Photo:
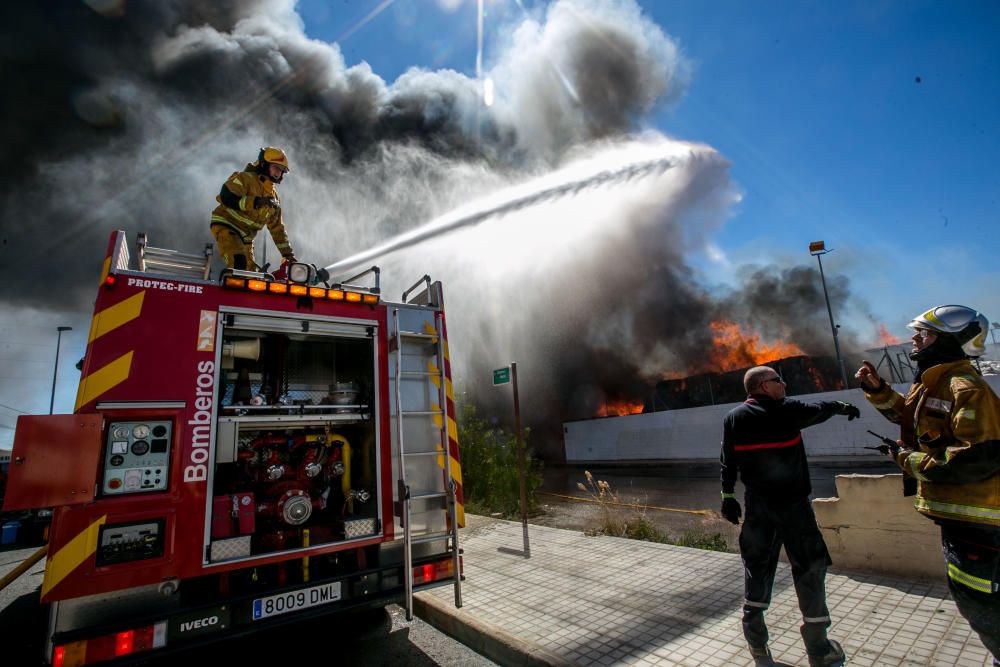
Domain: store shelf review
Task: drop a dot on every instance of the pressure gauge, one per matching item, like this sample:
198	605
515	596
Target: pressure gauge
141	431
121	432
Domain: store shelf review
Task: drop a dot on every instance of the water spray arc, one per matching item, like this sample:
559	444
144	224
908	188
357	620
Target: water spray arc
515	201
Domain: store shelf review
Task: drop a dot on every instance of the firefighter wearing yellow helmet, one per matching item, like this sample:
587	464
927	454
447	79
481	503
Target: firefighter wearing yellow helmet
248	202
950	442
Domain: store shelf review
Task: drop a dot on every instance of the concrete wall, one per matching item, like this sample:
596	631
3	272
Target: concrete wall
871	527
696	433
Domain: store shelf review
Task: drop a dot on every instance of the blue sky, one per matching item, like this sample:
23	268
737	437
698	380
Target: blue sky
870	125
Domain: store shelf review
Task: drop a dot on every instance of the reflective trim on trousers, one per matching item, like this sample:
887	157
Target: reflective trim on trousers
966	579
751	603
815	619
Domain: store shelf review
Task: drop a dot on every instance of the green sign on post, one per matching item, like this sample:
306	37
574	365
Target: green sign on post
501	376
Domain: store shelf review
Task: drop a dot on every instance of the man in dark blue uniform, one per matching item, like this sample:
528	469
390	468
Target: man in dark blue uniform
762	444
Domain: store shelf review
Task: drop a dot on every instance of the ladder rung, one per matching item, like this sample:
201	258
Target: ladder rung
417	334
172	261
425	496
174	269
150	250
439	452
433	537
420	374
419	413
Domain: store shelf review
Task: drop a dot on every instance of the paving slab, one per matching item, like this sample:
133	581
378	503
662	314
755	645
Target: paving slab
596	600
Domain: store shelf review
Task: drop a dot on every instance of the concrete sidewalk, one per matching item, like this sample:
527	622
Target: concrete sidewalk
607	601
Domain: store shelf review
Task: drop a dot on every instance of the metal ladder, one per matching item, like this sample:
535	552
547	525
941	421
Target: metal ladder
173	262
448	493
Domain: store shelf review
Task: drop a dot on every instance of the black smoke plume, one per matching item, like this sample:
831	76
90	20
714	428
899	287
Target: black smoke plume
131	114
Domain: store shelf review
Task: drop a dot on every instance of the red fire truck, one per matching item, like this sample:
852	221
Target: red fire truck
243	453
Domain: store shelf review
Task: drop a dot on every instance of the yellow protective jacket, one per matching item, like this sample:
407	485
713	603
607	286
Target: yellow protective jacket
236	208
950	426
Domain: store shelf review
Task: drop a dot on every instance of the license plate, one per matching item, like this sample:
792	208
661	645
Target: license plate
304	598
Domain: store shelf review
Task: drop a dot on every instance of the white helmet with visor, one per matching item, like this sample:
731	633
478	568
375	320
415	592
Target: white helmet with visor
968	326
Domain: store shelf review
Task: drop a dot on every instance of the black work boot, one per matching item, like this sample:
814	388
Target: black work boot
834	657
761	656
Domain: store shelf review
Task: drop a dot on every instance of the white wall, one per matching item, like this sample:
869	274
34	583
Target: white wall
696	433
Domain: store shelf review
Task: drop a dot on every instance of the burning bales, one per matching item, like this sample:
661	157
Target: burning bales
718	376
802	374
735	349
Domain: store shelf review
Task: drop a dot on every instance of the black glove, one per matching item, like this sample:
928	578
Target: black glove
731	510
265	202
851	411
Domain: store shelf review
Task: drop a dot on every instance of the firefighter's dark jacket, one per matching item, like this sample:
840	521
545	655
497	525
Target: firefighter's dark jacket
762	443
236	208
950	426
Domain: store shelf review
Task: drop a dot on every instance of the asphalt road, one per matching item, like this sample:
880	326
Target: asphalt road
381	637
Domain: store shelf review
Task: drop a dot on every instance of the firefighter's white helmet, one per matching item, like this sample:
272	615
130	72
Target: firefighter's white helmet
965	324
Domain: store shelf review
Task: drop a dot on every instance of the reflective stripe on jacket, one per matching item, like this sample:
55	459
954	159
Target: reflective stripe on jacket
950	420
246	220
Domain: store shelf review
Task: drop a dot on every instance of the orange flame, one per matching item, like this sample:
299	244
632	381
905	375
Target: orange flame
886	338
735	347
620	408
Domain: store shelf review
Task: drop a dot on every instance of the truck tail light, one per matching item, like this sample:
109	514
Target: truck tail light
108	647
425	574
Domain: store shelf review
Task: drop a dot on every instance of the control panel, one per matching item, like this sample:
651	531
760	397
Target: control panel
124	542
137	457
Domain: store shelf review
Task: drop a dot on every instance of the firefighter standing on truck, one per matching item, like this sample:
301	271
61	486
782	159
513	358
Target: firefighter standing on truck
762	443
247	202
950	442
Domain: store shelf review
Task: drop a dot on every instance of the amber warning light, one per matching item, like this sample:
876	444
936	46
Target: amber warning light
296	288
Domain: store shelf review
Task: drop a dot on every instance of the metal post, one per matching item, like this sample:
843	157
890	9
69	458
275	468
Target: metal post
55	371
520	460
829	311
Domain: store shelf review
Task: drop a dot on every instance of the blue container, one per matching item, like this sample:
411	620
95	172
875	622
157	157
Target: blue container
9	535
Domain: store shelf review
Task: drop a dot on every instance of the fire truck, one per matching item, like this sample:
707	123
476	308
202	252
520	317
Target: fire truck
243	452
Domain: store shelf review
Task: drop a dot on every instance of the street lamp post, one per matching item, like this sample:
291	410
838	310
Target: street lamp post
818	248
52	400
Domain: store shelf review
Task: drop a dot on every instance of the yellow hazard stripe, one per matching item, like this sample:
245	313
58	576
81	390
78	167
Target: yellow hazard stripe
973	582
71	556
115	316
449	389
429	328
104	379
456	467
105	269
